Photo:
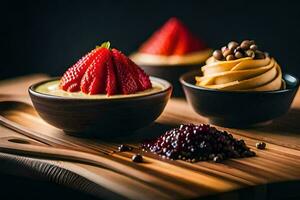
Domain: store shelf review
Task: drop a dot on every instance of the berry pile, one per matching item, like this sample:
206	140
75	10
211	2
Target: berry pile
173	38
234	50
194	143
105	71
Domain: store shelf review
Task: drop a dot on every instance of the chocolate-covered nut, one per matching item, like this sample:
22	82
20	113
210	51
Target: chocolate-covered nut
217	54
261	145
245	44
232	45
224	48
253	47
217	159
250	53
123	147
230	57
227	52
238	55
238	48
211	156
259	55
137	158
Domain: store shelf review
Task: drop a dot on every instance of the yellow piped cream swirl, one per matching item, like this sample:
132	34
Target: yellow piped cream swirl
242	74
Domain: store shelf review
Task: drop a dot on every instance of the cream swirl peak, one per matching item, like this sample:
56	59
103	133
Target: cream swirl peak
246	73
241	66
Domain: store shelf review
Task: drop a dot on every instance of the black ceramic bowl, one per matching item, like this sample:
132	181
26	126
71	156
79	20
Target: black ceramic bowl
101	117
171	67
235	108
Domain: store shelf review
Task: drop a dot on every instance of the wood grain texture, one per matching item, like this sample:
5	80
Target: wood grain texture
160	178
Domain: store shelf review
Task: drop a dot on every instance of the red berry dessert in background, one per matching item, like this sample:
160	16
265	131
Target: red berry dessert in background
173	38
172	44
171	51
105	71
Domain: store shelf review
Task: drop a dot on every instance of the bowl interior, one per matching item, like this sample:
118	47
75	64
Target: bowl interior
162	84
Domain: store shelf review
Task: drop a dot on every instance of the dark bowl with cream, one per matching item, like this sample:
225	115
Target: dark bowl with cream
171	67
239	108
99	115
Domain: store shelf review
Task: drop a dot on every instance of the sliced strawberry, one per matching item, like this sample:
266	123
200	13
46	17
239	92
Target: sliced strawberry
144	79
141	79
94	79
132	70
70	81
127	83
183	42
141	76
111	83
173	38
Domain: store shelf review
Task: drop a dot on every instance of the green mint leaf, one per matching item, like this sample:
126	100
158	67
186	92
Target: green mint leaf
105	45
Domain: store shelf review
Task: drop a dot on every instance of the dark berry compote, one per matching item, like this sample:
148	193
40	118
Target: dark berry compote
194	143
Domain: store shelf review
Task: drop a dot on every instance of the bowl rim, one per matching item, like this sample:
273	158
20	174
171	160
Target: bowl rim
32	91
207	50
183	81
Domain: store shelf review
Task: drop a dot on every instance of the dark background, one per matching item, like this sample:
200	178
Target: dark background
49	36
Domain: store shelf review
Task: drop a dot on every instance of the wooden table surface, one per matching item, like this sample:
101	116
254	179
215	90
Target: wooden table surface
165	179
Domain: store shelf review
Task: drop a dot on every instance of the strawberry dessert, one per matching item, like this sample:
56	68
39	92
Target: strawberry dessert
102	73
172	44
103	94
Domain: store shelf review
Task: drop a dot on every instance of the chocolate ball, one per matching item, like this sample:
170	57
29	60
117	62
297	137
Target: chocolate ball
238	48
250	53
227	52
217	54
230	57
253	47
123	147
238	54
137	158
259	55
217	159
232	45
224	48
245	44
260	145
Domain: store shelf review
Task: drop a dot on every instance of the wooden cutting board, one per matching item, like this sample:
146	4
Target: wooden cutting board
160	178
